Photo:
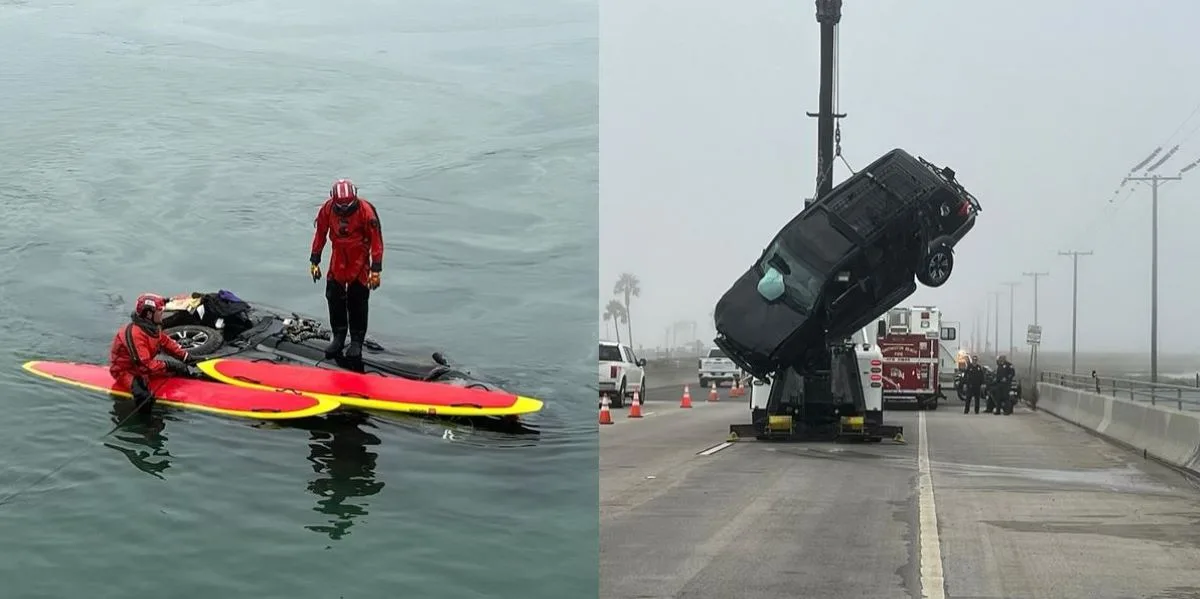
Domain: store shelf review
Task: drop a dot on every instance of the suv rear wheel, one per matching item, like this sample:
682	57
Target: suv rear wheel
936	266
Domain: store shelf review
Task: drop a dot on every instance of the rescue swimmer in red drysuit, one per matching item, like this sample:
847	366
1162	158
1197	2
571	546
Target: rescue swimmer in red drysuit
351	224
133	355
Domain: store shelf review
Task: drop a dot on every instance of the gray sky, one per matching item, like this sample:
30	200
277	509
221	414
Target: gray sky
1040	107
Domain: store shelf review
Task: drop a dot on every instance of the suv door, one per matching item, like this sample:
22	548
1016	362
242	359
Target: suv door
635	369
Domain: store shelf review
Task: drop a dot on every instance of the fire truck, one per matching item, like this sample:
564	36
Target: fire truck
920	354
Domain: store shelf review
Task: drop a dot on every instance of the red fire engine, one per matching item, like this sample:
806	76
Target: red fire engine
910	340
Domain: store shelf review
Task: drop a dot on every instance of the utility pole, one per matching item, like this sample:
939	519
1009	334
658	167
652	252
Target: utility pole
829	14
1155	181
1033	349
987	327
996	295
1074	298
1012	294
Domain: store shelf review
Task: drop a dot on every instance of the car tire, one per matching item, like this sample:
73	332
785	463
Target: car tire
936	266
703	383
932	405
642	390
619	401
196	340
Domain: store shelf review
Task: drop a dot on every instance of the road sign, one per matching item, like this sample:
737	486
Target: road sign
1033	335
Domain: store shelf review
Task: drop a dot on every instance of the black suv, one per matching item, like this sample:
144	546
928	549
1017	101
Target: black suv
843	261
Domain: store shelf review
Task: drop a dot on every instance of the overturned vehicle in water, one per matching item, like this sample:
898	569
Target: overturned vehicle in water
220	324
839	265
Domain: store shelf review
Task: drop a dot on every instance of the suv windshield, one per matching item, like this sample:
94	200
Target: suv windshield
716	353
800	281
610	353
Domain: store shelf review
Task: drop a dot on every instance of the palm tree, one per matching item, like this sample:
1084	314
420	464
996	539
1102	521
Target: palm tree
630	287
615	312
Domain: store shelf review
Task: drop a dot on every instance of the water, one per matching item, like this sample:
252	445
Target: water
186	146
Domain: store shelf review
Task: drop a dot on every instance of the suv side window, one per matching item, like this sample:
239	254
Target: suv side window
802	283
627	354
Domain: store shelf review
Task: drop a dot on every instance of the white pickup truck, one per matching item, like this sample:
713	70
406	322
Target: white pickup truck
621	373
717	368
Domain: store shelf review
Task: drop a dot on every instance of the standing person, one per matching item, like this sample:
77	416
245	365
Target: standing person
1002	390
973	380
351	225
133	354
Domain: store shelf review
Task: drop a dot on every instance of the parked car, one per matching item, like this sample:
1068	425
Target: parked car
621	373
845	260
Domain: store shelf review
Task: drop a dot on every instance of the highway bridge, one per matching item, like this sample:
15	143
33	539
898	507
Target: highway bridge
1089	496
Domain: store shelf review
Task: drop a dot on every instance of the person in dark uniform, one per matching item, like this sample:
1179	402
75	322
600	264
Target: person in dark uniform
1002	387
973	379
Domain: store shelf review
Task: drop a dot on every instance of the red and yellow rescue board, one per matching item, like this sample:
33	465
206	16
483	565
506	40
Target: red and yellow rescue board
192	394
368	391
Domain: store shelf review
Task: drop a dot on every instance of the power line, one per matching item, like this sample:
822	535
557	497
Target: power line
1074	297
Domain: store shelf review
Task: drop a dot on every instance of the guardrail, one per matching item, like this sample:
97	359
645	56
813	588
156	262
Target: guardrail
1180	397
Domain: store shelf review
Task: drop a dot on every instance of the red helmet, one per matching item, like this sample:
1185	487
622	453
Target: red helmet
149	301
343	191
345	197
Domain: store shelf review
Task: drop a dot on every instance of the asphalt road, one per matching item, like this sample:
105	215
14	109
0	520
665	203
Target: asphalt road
1017	506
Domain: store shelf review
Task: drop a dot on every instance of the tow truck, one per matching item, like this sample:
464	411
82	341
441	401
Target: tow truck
843	402
917	351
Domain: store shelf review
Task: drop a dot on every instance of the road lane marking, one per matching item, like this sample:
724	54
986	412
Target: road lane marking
933	582
715	449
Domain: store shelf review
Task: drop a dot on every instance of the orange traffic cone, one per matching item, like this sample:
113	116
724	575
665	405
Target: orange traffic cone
736	389
686	401
605	415
635	407
712	393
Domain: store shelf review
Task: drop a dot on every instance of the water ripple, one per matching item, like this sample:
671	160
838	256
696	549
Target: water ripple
186	147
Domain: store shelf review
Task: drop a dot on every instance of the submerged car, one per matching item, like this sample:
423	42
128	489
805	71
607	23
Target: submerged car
216	325
843	261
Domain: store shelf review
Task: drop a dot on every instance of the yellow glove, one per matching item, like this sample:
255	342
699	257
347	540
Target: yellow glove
373	281
315	271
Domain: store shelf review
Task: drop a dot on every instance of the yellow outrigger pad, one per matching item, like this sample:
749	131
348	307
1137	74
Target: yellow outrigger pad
191	394
370	392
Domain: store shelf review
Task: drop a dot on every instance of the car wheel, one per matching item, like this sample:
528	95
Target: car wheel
619	400
195	339
936	266
703	383
932	404
642	390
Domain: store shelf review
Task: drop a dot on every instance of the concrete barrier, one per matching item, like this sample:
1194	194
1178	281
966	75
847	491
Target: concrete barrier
1157	431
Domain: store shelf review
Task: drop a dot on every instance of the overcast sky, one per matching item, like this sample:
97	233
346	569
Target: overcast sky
1040	107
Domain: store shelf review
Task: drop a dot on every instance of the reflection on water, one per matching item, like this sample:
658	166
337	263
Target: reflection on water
345	468
143	429
339	451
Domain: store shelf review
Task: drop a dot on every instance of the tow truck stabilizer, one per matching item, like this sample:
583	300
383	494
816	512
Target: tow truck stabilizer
783	427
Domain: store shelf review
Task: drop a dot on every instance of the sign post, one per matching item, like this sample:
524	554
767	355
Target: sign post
1033	337
1033	334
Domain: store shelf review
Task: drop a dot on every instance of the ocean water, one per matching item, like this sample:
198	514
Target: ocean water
185	146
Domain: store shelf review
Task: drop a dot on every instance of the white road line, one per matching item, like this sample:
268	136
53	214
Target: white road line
933	583
715	449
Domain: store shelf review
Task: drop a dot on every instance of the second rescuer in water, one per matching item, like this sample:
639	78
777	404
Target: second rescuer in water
133	354
355	263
